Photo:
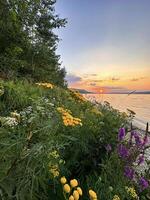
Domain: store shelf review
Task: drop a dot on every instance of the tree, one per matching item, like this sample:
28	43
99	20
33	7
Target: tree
27	40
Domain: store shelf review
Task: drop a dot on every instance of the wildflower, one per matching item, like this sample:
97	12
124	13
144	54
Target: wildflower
15	115
129	172
145	140
1	90
73	183
71	198
75	194
121	134
45	85
63	180
123	151
68	119
79	191
61	161
138	140
9	121
54	154
96	111
78	96
143	183
54	170
131	191
110	188
124	114
116	197
66	188
92	194
141	159
108	147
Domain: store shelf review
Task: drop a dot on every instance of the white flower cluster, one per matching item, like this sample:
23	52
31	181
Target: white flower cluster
1	90
9	121
25	114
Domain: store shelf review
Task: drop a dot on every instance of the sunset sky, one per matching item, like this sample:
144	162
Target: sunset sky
106	44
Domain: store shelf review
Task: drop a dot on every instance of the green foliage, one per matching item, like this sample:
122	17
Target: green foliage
28	42
36	129
36	146
18	96
25	146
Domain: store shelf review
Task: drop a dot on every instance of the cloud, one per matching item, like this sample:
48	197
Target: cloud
109	89
115	79
113	87
137	79
97	81
72	78
89	75
134	79
92	84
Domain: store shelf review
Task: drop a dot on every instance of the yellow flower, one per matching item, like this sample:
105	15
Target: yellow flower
67	118
77	96
116	197
45	85
54	154
75	194
96	111
63	180
73	183
92	194
71	198
131	191
54	170
67	188
15	115
79	191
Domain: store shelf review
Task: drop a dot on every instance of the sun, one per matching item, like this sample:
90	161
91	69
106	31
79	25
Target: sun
101	90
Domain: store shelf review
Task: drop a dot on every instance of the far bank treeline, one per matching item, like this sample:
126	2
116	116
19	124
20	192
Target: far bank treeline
27	41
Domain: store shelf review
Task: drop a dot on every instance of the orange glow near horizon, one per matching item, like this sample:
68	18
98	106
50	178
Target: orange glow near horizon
104	85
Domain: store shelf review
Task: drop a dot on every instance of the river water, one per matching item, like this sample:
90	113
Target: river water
139	103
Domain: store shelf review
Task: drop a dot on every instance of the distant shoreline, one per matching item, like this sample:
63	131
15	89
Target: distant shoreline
114	93
83	91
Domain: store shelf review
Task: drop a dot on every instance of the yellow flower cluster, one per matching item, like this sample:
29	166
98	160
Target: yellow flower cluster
15	115
54	154
54	170
68	119
124	114
96	111
78	96
46	85
131	191
72	190
116	197
93	195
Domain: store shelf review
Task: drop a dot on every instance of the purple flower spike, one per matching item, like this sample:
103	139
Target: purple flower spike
123	151
143	183
138	139
145	140
121	134
129	172
108	147
141	159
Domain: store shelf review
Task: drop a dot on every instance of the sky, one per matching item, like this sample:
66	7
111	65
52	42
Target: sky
105	45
